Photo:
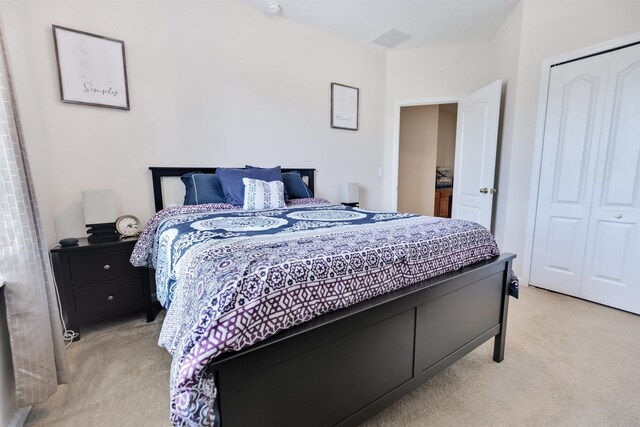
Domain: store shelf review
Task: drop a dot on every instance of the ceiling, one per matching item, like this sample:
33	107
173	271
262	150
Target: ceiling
429	22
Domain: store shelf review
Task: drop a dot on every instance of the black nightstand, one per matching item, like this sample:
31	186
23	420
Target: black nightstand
96	281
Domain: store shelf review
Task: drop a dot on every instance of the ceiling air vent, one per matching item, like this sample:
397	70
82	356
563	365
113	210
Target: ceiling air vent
391	38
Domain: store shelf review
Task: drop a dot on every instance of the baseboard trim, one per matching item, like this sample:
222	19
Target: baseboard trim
20	417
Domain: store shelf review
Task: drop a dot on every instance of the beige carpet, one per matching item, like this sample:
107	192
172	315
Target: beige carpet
568	363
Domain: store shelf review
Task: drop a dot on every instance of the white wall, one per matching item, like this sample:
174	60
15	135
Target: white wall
434	72
211	84
549	29
15	23
418	152
504	59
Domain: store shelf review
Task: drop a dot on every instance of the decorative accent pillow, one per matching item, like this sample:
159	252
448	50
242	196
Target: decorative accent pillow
233	187
202	188
295	187
268	174
260	194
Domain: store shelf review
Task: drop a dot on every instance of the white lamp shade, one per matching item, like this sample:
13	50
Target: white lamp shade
350	193
99	206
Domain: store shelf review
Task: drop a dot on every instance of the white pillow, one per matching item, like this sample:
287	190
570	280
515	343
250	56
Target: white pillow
262	194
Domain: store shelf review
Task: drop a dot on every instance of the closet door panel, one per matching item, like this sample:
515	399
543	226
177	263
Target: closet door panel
572	125
612	274
622	177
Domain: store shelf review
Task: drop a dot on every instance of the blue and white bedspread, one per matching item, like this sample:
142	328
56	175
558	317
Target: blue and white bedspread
231	278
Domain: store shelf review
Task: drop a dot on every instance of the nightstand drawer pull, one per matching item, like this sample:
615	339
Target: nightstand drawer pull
106	267
110	298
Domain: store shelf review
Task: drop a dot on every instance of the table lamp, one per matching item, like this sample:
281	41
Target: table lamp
100	213
350	194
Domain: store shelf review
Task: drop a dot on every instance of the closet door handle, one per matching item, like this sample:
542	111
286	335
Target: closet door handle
484	190
618	216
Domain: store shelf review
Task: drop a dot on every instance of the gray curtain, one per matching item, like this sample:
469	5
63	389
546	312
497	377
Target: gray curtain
35	330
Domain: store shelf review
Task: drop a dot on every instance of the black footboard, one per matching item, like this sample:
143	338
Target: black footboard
343	367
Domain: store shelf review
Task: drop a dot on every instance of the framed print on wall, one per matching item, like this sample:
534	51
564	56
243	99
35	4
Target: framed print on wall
344	107
91	69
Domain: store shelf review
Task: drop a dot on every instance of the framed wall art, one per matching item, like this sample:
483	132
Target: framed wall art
344	107
91	69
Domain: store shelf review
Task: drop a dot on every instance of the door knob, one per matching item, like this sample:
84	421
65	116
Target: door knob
618	216
484	190
493	191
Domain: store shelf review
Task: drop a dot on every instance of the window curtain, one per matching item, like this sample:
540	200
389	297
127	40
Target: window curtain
35	328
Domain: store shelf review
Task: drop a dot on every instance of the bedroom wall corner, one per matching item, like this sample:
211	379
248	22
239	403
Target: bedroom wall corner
210	85
504	59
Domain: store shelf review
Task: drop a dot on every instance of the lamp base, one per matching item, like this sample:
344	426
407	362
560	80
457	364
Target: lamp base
102	233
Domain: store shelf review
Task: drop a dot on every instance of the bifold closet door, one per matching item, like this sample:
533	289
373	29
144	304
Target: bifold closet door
572	126
587	237
612	263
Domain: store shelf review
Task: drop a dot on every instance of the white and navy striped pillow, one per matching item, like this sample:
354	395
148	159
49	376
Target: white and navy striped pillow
262	194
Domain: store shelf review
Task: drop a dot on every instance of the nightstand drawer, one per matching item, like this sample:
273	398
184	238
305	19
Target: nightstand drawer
92	300
101	266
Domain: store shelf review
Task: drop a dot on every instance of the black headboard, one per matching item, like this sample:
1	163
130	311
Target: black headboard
158	172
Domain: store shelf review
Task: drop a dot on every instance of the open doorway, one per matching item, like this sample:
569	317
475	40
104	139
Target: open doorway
426	156
476	140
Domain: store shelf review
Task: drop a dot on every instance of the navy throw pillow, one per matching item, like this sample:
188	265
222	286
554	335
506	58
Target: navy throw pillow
232	185
295	186
202	188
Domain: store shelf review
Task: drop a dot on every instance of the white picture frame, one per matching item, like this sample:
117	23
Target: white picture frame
344	106
91	69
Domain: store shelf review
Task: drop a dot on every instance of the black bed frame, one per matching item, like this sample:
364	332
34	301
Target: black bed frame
157	173
343	367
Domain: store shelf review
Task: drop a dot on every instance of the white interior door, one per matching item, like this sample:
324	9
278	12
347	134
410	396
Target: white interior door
572	125
475	159
612	264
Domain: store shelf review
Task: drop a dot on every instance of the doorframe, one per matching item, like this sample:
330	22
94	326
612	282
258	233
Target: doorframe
397	106
543	96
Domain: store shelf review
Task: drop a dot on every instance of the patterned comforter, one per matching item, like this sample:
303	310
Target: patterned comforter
232	278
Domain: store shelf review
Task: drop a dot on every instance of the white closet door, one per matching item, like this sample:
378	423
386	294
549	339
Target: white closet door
612	267
574	115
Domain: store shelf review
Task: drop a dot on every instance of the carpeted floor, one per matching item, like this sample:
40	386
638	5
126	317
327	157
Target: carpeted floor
568	363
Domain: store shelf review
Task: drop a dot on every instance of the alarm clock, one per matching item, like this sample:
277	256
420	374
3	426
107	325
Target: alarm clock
128	226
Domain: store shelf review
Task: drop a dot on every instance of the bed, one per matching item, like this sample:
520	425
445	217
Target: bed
340	344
